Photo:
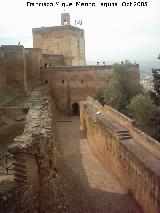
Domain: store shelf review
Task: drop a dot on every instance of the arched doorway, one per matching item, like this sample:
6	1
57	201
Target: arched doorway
75	109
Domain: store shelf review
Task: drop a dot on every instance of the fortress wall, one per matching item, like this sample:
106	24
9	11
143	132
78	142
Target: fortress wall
1	117
112	113
2	70
136	167
52	60
13	62
19	69
32	187
32	68
146	140
119	117
72	84
78	48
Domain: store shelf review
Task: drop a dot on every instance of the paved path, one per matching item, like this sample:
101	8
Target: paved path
103	191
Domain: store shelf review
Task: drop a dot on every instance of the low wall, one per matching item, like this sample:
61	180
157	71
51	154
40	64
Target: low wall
146	140
112	113
33	162
12	112
137	167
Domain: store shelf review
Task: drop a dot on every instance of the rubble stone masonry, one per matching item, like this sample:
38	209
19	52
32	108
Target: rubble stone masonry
32	186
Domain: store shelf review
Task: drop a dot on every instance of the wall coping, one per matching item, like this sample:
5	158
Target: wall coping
127	122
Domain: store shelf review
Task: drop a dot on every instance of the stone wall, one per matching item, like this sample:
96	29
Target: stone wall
52	60
13	65
32	68
72	84
61	40
2	69
19	68
136	165
32	187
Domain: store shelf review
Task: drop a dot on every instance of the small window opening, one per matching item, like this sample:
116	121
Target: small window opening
62	81
81	81
46	82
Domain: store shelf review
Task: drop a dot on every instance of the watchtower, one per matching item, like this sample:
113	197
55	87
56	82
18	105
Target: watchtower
65	40
65	19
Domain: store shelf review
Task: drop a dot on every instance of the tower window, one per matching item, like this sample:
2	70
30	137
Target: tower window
62	81
81	81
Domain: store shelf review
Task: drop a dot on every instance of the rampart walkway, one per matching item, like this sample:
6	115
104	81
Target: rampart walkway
101	188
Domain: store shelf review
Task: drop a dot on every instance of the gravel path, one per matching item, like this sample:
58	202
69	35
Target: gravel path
97	190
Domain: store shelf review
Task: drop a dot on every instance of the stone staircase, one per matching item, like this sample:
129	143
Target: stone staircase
123	135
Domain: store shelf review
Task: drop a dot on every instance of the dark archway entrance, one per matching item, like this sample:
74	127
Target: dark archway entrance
75	109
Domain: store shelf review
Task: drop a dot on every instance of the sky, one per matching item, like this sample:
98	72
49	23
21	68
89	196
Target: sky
111	33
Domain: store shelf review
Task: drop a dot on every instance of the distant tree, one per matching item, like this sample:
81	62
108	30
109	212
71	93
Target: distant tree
122	89
146	115
100	96
155	95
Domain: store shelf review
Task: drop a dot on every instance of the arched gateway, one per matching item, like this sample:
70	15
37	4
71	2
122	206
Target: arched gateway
75	109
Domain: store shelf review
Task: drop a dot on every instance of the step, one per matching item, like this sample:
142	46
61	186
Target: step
24	176
122	131
123	134
20	180
23	170
125	138
19	164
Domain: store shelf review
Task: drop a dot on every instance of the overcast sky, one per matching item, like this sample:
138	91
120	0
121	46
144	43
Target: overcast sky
111	33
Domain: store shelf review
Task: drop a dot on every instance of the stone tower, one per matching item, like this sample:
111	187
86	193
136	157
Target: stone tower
65	19
65	40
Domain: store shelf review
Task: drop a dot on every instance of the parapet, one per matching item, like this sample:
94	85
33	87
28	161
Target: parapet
55	28
128	152
84	68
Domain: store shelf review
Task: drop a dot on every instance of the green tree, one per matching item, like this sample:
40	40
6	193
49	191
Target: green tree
146	115
155	95
123	88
